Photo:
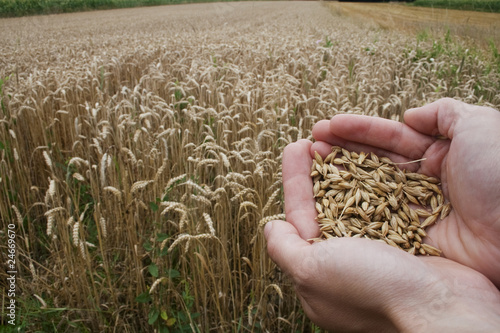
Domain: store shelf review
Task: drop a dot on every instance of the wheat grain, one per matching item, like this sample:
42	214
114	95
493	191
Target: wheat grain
47	158
102	223
155	284
201	199
33	271
78	177
378	193
104	161
51	192
276	288
18	215
78	160
53	211
113	190
140	185
187	238
202	190
76	233
50	224
83	251
208	221
174	180
267	219
245	204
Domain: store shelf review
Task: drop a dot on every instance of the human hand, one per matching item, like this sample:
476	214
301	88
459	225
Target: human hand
467	162
359	284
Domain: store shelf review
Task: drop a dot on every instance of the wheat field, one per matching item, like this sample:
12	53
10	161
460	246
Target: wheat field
140	151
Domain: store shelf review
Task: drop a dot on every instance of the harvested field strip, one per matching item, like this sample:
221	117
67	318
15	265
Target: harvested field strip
140	151
479	25
490	6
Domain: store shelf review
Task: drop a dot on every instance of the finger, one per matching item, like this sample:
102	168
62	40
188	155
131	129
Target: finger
298	187
324	149
321	132
385	134
437	118
284	244
325	139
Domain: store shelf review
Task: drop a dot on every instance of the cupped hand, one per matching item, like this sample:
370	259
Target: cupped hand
348	284
460	144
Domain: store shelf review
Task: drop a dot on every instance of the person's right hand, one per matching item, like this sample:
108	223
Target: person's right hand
461	145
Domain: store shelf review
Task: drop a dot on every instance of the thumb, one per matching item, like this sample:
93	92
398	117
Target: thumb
284	244
438	118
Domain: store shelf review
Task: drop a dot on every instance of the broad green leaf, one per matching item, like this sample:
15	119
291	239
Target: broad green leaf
171	322
173	273
143	298
147	246
153	270
160	237
154	207
153	316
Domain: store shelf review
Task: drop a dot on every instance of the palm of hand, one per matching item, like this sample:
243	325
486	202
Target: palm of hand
366	276
465	162
470	234
358	284
344	277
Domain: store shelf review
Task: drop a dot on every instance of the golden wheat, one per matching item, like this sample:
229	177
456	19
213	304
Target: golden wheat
141	149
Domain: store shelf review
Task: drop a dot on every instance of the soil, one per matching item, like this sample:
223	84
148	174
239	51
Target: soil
477	25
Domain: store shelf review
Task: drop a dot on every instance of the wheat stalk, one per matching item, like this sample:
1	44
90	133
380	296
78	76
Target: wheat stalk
208	124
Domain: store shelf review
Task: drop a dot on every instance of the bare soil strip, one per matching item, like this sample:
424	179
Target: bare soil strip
472	24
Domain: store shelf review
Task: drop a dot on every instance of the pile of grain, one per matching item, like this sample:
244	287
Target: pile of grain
366	196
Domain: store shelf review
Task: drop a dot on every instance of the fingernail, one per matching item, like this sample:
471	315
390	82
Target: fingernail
267	228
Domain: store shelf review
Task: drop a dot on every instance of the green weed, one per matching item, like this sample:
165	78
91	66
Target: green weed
492	6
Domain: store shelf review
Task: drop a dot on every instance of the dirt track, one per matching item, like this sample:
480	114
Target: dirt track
476	25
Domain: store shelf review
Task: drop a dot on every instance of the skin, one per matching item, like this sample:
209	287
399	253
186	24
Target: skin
350	284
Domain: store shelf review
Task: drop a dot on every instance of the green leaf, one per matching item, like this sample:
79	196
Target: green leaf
173	273
185	327
153	316
164	315
143	298
154	207
153	270
164	252
178	95
171	322
182	317
147	246
160	237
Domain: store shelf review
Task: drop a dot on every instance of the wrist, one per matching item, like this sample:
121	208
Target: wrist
463	318
446	309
